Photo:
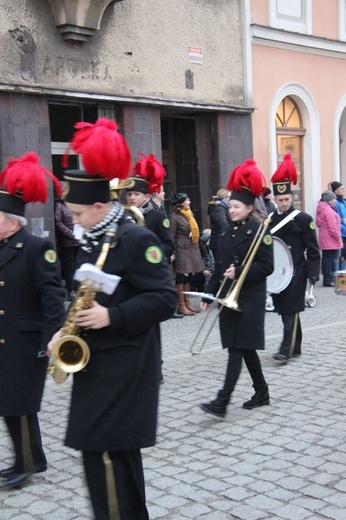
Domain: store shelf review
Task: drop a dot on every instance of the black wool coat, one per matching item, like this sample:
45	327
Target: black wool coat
245	329
300	236
115	398
32	310
157	220
219	218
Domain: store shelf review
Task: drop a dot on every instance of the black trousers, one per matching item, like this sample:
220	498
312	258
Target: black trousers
67	257
25	433
234	366
292	340
116	484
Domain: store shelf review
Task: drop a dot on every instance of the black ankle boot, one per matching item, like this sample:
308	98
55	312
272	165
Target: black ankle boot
218	406
260	398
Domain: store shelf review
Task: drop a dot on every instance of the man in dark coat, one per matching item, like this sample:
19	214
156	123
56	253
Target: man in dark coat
297	230
114	404
32	309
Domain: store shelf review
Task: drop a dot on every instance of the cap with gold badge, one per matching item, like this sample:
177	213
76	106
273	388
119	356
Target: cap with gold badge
285	175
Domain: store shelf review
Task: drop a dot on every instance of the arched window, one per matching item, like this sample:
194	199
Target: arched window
289	136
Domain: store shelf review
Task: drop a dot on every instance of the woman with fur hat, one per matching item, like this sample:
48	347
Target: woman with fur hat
187	257
329	238
242	333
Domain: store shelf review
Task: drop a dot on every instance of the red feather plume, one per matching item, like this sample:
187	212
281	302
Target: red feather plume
103	149
150	169
246	175
26	178
286	171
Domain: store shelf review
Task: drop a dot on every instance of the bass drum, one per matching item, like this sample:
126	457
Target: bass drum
283	267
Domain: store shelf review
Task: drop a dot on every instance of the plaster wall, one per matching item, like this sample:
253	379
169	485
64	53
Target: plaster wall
324	16
323	78
311	70
141	50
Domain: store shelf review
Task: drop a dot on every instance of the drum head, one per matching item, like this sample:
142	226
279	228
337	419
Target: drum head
283	267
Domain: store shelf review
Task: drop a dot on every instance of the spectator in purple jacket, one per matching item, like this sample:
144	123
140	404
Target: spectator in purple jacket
67	244
330	241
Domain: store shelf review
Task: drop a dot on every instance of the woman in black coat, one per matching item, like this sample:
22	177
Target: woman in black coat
242	333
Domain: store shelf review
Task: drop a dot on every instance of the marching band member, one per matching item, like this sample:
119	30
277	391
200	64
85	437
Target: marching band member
32	309
242	333
113	411
297	230
148	179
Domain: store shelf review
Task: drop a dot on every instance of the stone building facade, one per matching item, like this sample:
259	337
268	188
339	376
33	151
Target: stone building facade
170	73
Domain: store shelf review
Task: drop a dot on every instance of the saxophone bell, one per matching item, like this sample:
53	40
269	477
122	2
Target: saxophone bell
71	353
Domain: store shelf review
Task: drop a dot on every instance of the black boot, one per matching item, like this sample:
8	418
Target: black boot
218	406
260	398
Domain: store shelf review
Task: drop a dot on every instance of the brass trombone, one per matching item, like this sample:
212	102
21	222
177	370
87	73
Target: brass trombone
231	299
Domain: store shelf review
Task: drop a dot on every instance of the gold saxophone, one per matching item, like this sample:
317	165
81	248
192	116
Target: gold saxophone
71	353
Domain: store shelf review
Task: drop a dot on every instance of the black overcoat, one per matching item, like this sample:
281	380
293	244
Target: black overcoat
300	236
219	217
32	310
157	220
115	398
245	329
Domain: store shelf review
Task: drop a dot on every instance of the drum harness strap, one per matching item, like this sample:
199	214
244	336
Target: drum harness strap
284	221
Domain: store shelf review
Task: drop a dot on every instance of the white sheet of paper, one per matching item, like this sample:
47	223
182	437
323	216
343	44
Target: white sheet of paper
91	274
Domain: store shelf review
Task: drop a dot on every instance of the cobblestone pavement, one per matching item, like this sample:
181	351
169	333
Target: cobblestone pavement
284	461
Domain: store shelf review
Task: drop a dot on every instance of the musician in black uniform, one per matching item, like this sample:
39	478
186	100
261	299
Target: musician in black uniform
297	230
242	332
148	178
114	404
32	309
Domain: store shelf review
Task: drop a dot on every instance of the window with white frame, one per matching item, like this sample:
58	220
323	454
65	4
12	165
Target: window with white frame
342	20
291	15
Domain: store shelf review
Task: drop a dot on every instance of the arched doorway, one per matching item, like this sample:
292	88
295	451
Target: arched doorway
341	173
289	139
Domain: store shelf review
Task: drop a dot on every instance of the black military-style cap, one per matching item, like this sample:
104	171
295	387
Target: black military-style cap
11	203
85	189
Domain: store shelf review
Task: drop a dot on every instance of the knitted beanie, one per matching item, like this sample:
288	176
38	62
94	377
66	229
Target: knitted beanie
328	196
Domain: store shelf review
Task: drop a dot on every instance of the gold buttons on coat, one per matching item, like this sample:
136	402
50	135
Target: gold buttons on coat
2	340
2	312
2	283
